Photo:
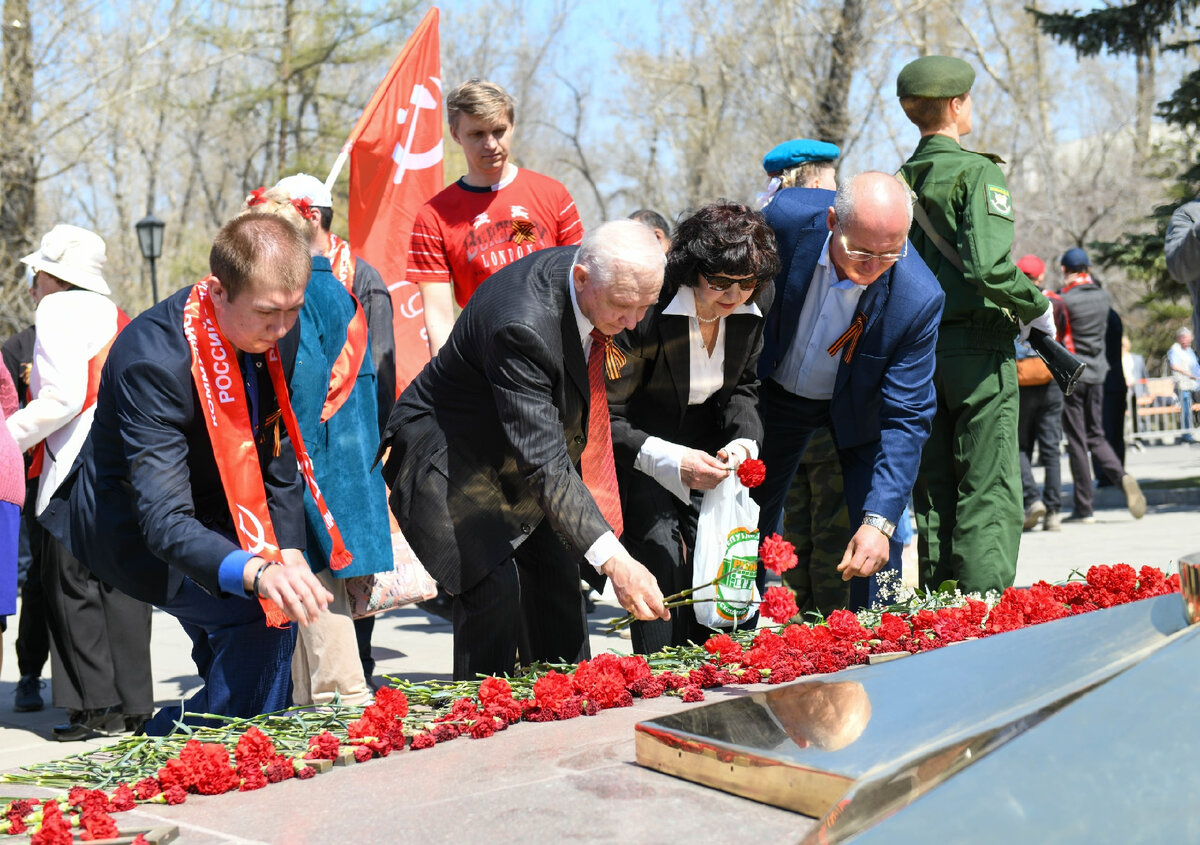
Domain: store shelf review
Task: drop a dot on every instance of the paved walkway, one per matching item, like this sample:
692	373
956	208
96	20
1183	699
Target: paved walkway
412	644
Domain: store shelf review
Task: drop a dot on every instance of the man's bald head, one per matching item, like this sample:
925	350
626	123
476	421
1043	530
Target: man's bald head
869	222
618	274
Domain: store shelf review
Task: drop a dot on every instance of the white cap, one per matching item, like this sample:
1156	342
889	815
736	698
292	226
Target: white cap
73	255
304	186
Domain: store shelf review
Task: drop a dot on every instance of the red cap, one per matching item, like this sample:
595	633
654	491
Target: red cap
1031	265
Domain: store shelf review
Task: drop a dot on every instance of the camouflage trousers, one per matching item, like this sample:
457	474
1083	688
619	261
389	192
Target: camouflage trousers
816	523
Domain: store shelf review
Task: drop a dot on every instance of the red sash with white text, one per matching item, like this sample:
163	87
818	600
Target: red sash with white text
217	377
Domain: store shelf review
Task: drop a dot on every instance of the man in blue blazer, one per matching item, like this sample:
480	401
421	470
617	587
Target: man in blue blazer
849	343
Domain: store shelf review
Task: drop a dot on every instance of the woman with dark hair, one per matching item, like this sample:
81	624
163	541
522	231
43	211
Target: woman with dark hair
685	408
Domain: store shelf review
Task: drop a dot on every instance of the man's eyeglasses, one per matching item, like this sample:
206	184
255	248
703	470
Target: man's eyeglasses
863	255
720	284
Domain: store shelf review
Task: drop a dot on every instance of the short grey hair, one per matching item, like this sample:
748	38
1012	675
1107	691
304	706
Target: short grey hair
620	245
844	202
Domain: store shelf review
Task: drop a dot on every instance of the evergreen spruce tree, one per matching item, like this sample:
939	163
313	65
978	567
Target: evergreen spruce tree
1140	29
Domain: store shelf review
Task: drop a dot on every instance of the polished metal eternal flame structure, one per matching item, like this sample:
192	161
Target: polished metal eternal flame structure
1070	730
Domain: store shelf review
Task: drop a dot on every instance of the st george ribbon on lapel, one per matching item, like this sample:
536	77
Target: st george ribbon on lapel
599	469
849	338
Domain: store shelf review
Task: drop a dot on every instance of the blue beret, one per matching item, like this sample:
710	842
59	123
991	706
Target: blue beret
1075	257
791	153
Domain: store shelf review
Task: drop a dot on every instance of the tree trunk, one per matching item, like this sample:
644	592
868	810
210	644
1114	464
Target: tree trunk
18	171
832	121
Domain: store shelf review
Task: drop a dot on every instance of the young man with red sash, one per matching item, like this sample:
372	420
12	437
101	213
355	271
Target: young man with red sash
187	494
101	660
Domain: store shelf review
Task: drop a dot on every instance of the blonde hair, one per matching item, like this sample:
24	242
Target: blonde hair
275	201
805	175
480	99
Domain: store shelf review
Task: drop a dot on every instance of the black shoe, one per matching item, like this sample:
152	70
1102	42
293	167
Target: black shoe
135	723
29	694
107	721
441	605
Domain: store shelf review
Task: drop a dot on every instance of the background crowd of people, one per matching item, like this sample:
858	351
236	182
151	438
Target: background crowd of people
866	337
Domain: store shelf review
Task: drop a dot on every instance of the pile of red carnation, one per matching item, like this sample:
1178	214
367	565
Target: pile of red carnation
609	680
51	821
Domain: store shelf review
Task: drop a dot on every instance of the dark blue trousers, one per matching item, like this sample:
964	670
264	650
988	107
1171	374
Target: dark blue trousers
788	424
246	666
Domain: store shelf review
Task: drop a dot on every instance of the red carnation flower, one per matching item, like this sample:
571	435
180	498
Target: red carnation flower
362	754
55	829
892	628
844	625
254	747
750	676
777	554
483	728
751	472
778	605
280	768
146	788
392	702
634	668
16	825
305	772
553	690
423	740
174	795
691	694
494	691
323	746
122	799
252	779
725	647
600	680
140	839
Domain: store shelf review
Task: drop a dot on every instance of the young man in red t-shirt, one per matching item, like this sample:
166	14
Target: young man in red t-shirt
490	217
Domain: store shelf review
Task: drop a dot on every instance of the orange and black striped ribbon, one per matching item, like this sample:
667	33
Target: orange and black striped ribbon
849	338
614	358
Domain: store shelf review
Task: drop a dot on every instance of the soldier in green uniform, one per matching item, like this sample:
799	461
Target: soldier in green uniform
815	521
968	493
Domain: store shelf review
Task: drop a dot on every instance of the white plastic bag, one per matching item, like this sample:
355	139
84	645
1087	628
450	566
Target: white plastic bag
726	544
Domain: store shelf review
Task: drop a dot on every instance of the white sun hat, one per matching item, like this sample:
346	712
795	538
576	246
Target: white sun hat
73	255
304	186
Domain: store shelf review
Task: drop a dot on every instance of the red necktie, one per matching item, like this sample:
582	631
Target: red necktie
599	470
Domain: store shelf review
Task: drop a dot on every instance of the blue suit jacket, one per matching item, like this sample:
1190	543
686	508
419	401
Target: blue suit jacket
883	400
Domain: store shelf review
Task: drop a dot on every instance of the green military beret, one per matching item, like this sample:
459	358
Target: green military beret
935	76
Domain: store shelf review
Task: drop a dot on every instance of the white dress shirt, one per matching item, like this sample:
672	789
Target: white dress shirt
807	368
661	459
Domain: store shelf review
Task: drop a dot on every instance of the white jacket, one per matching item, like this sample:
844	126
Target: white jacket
71	328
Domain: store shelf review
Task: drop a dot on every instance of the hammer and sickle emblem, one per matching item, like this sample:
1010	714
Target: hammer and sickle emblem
405	157
257	537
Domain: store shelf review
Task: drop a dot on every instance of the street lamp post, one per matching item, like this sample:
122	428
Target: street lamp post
150	238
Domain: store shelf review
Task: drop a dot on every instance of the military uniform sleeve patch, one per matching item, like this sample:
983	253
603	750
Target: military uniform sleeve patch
999	202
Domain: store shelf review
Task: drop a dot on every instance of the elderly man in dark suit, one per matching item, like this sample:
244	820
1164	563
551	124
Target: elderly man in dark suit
150	504
849	343
501	461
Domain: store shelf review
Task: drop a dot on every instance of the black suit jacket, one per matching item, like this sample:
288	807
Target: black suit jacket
651	396
487	439
143	505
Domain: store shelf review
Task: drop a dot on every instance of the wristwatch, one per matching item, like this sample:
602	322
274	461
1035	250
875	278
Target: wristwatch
876	521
